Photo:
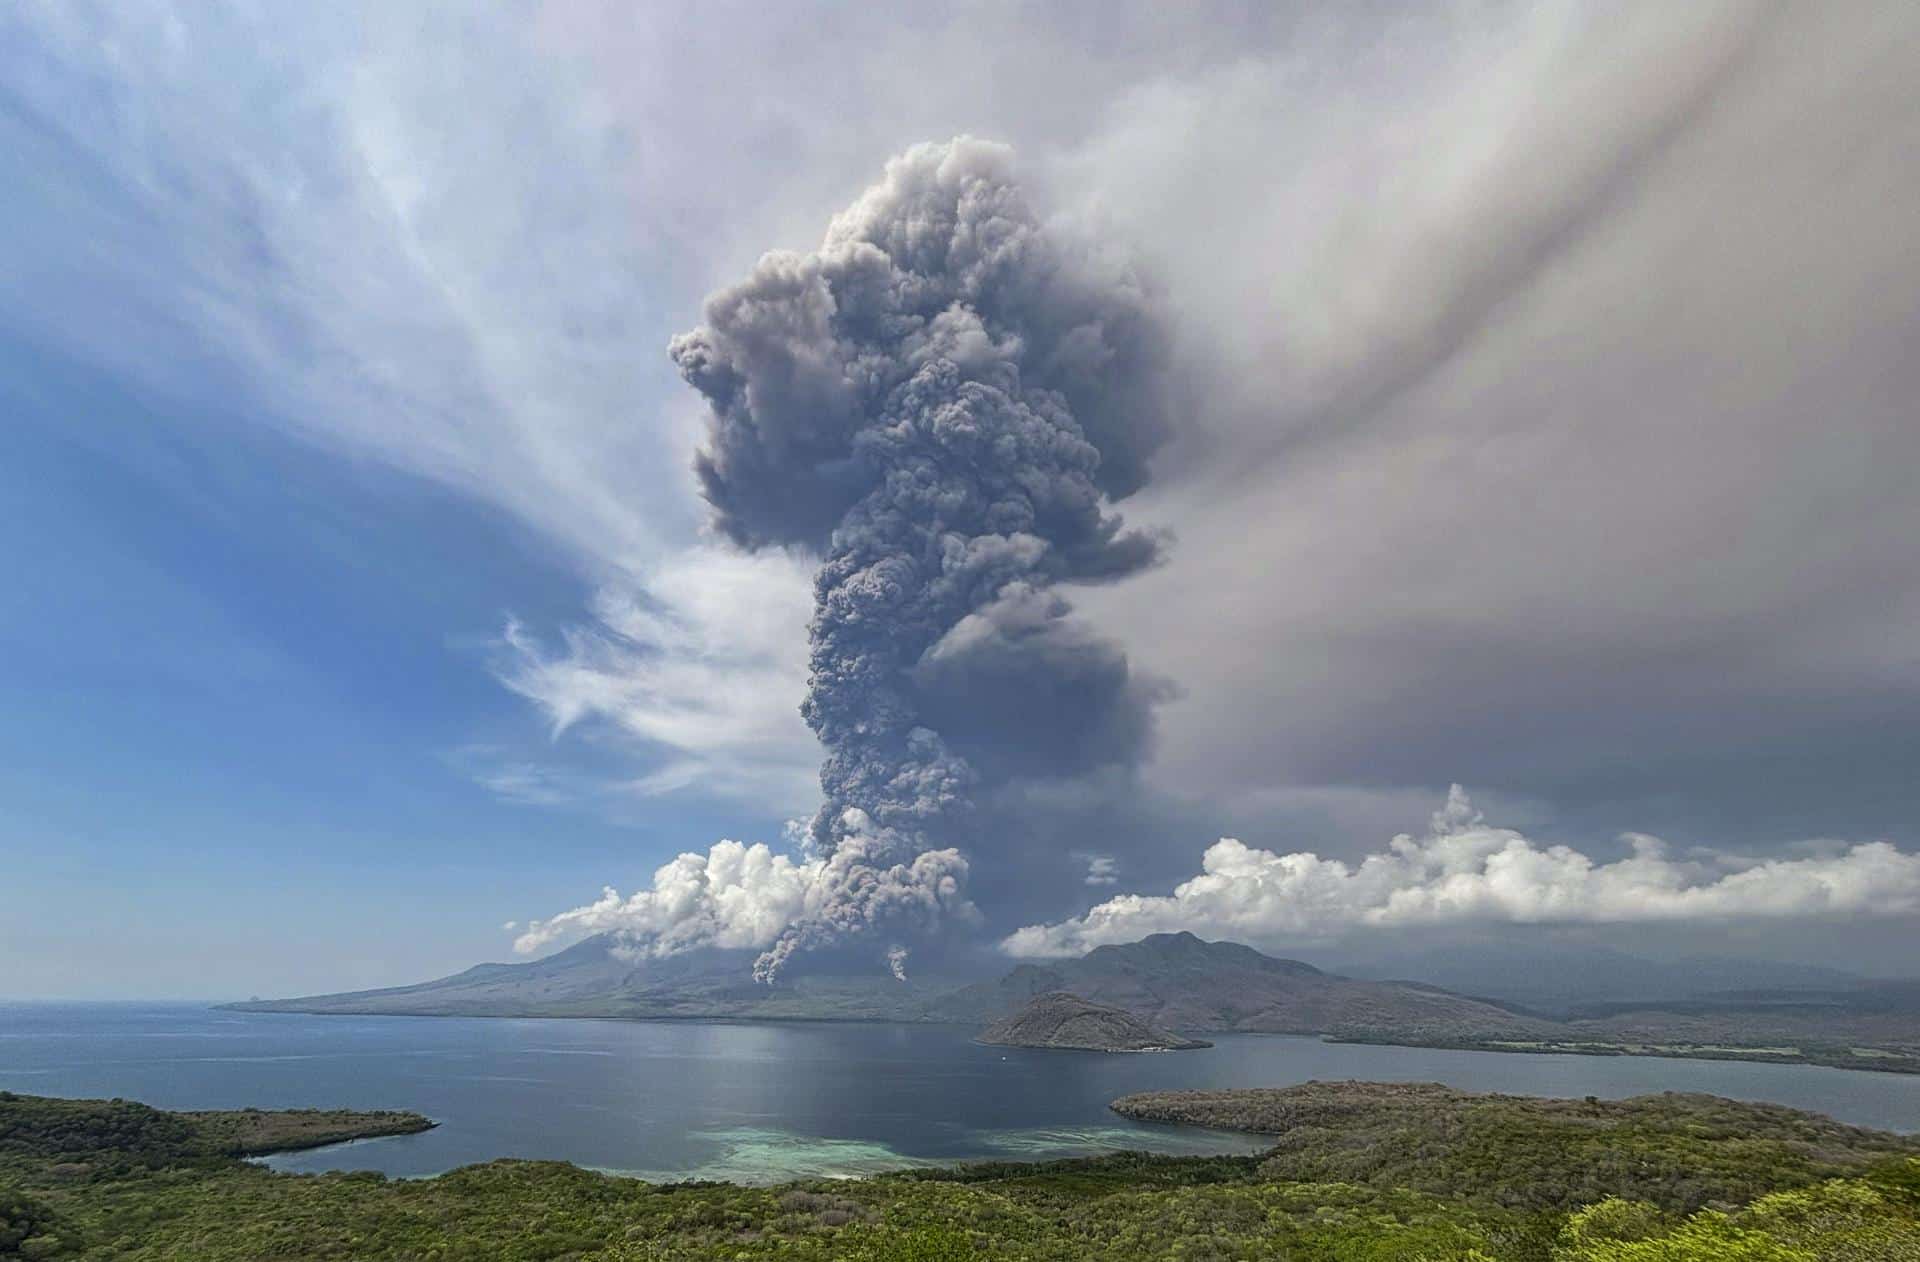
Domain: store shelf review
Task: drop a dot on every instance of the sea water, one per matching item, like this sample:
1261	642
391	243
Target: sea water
763	1102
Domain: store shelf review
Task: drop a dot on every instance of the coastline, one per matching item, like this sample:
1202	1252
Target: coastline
1885	1062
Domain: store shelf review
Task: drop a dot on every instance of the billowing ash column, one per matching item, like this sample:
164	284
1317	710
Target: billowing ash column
941	401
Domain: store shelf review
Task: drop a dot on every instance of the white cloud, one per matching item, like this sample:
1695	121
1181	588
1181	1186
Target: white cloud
1102	869
416	239
735	895
519	781
704	662
741	896
407	238
1467	871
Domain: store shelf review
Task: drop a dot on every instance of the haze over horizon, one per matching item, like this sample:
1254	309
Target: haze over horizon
1511	410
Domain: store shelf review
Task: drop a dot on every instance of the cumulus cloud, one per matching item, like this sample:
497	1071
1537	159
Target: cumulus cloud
1465	871
734	895
743	896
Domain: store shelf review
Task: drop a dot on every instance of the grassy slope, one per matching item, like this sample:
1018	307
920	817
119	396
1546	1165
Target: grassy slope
178	1202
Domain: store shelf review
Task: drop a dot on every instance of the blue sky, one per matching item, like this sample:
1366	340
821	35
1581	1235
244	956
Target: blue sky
1545	427
255	731
249	706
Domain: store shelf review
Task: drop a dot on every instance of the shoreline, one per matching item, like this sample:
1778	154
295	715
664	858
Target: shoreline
1891	1063
1887	1062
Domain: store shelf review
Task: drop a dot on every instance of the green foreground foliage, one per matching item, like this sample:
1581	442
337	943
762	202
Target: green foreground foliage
109	1179
1680	1151
121	1136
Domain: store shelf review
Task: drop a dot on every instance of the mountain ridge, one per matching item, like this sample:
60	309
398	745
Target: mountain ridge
1181	982
1175	980
1562	978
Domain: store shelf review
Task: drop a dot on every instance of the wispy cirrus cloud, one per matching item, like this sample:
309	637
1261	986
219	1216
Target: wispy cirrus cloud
382	279
701	665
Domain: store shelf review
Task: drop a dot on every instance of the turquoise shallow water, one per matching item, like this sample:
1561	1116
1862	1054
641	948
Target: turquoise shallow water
766	1102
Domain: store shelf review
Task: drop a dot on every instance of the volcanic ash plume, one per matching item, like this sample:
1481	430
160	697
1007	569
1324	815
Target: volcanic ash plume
940	401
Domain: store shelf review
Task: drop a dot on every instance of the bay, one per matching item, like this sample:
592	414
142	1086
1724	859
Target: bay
764	1102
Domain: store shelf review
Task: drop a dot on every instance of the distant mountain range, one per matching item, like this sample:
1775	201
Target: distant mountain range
1175	981
1565	978
1172	980
596	977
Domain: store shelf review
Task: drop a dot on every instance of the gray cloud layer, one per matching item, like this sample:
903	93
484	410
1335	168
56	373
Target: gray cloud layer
1546	398
1562	417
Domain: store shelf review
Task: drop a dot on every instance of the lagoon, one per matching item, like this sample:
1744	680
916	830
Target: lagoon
764	1102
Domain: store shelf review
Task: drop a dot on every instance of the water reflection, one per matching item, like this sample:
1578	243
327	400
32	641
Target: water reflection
767	1102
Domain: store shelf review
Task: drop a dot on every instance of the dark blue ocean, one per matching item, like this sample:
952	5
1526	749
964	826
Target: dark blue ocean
764	1102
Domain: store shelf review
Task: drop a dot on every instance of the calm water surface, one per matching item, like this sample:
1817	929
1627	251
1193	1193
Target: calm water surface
764	1102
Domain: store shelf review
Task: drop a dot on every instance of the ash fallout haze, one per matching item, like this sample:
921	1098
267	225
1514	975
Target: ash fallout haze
924	490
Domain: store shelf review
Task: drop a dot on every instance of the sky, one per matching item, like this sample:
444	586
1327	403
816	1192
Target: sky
1532	393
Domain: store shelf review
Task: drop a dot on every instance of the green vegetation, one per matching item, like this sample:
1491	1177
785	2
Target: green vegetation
1856	1220
1680	1152
1891	1060
97	1138
111	1179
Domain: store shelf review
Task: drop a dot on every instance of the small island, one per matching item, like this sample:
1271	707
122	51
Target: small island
1068	1022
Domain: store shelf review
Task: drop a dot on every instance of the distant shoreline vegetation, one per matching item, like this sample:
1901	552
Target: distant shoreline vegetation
1873	1060
1869	1059
1183	987
1357	1171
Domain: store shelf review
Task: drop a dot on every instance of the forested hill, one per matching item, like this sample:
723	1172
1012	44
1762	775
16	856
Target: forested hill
1679	1150
1363	1173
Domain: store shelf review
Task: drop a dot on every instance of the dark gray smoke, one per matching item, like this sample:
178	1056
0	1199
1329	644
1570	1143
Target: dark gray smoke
942	401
